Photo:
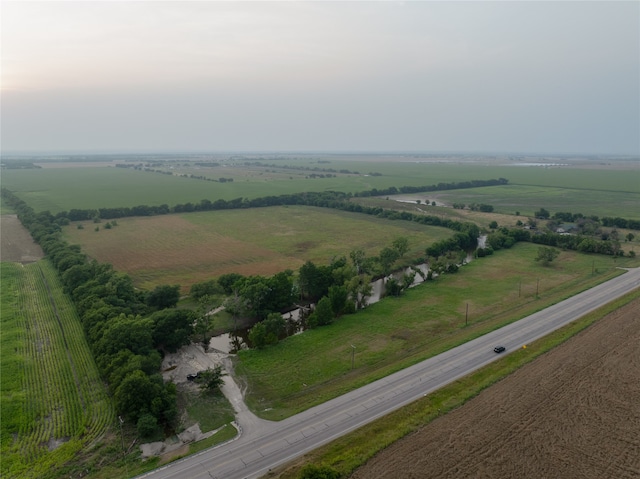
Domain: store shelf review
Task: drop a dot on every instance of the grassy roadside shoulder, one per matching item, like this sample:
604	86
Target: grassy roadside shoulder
353	450
398	332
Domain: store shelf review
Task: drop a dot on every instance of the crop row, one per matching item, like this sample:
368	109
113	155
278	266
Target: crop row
64	400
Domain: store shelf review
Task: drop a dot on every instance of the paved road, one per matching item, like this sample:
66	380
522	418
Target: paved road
264	444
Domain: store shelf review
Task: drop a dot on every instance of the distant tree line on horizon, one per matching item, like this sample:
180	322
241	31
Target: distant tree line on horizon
326	199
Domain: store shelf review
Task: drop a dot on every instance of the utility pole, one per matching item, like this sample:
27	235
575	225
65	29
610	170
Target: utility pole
353	355
121	433
537	286
466	316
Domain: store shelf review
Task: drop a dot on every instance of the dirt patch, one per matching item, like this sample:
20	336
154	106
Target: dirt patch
573	412
16	244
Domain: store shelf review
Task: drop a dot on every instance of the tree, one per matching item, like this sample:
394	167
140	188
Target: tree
338	296
259	337
323	314
493	225
546	255
314	281
205	288
358	259
281	291
401	245
275	324
211	379
172	328
630	236
228	281
125	332
147	425
542	213
203	319
393	287
164	296
408	279
359	288
255	290
387	257
133	395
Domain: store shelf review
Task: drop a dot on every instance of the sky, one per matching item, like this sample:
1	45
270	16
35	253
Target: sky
416	76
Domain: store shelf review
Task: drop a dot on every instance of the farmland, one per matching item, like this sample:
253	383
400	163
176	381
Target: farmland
191	247
79	186
53	401
188	248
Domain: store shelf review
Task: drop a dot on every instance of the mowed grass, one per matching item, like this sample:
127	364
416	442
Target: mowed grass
192	247
352	450
62	189
397	332
53	403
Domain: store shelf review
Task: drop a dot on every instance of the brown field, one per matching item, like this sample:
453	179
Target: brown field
189	248
572	413
16	244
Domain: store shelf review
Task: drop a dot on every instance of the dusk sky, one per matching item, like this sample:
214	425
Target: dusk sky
526	77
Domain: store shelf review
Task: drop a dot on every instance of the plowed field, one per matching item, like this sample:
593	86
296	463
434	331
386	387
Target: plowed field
572	413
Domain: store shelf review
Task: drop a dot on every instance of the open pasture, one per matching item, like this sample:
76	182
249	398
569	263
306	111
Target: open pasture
60	189
193	247
525	199
53	401
428	319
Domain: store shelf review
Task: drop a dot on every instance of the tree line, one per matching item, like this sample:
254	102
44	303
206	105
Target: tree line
127	330
506	237
327	199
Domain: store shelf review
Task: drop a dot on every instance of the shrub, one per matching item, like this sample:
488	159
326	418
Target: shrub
311	471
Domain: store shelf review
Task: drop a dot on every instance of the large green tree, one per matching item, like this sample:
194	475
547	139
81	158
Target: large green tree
172	328
164	296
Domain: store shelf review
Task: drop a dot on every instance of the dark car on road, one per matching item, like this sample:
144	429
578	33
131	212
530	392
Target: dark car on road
499	349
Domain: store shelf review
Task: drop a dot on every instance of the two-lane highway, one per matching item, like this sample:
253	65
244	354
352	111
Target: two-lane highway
252	455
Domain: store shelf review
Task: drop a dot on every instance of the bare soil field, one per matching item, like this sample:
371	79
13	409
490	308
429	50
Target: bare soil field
572	413
16	244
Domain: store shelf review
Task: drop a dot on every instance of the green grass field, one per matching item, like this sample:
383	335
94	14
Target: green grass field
348	452
526	199
193	247
429	319
53	402
59	189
